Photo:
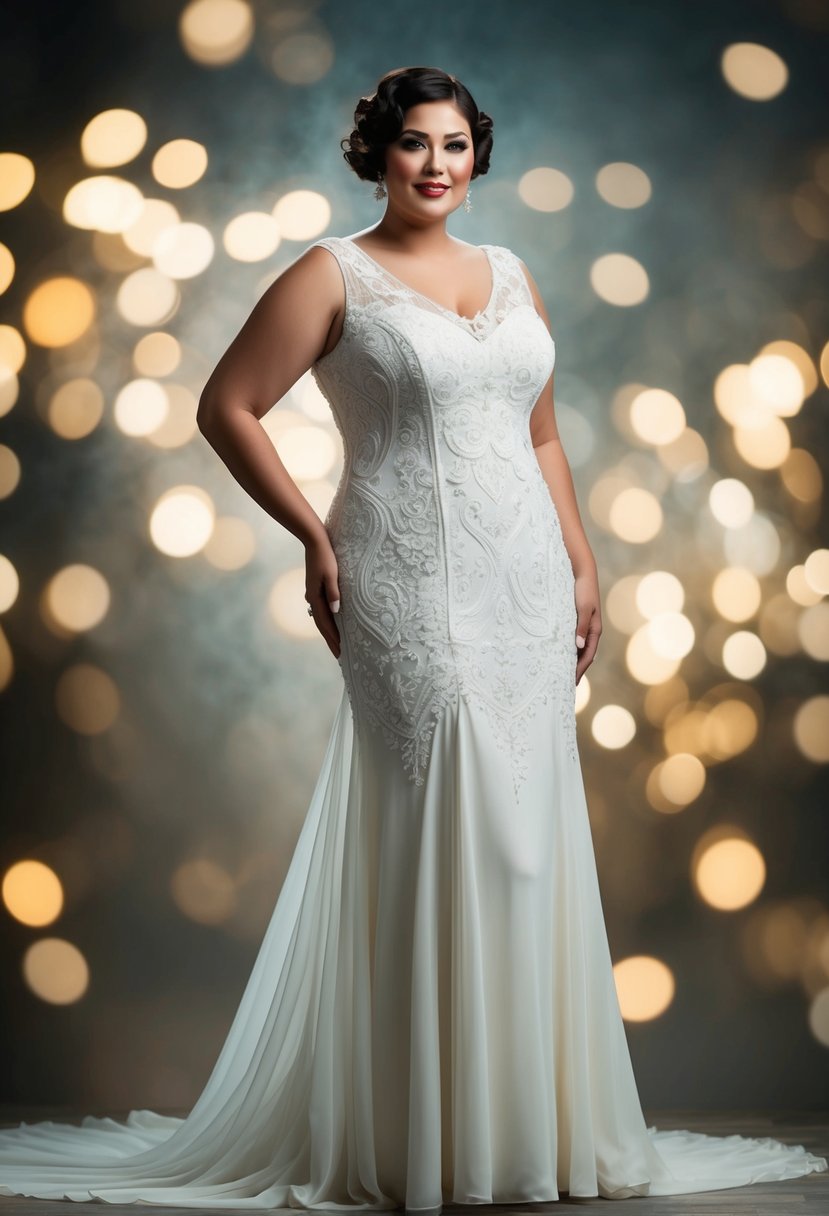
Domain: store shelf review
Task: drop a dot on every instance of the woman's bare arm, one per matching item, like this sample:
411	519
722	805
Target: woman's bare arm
556	470
284	335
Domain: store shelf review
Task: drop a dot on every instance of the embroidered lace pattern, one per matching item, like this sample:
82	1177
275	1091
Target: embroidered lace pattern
454	578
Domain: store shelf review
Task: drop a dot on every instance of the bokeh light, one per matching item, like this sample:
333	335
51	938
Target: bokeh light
816	571
13	351
78	598
679	780
56	971
778	383
302	215
728	871
657	592
657	416
113	137
12	358
754	71
645	987
819	1017
180	163
7	267
32	893
763	447
811	728
617	278
181	522
251	237
6	662
743	654
622	184
182	251
687	457
731	502
635	515
801	476
157	354
216	32
9	583
670	634
813	632
644	662
17	176
308	452
141	407
106	203
9	471
147	297
178	425
59	311
736	593
155	217
613	726
76	408
545	189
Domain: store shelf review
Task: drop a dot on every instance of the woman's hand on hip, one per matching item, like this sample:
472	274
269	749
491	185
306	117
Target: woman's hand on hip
322	589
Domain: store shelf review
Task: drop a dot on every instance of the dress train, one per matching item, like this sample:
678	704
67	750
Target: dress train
458	1086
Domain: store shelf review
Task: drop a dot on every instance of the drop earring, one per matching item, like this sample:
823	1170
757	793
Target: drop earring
467	203
379	189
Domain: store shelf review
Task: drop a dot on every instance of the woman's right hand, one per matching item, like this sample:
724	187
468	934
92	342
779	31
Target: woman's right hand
322	589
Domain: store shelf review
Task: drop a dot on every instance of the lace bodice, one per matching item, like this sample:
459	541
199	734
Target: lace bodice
454	578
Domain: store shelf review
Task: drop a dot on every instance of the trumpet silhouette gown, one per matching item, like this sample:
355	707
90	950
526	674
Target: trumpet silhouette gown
432	1015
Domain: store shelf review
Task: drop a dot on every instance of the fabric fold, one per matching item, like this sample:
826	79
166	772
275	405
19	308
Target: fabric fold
431	1016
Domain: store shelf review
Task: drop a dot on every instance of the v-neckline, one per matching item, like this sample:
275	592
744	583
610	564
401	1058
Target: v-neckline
413	291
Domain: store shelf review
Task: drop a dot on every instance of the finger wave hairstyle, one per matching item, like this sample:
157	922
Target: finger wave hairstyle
378	118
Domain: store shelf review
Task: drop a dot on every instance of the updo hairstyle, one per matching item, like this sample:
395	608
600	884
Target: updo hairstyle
378	118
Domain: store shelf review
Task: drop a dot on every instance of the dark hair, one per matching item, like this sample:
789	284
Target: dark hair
379	117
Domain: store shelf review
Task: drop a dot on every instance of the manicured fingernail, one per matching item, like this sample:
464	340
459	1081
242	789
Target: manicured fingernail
579	640
335	607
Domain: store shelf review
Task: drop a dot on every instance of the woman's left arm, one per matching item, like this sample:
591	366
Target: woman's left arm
556	471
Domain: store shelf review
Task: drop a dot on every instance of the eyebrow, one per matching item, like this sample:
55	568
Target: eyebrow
411	131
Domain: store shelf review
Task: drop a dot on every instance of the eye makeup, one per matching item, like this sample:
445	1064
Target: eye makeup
410	142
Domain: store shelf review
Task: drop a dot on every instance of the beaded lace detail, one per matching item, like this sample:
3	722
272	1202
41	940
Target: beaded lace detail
454	578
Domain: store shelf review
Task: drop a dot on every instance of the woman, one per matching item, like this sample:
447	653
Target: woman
432	1016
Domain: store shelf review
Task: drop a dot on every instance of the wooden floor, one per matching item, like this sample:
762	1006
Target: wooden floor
807	1196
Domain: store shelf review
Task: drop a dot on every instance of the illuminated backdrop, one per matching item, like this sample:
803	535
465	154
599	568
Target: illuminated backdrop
166	700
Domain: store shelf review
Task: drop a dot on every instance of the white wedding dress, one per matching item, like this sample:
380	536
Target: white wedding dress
432	1016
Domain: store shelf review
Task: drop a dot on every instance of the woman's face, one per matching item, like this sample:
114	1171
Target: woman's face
435	145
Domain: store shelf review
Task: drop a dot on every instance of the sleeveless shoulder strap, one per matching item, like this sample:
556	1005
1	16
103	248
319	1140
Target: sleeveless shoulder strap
366	286
334	245
513	277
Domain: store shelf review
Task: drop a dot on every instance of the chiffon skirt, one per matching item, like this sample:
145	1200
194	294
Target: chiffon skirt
431	1018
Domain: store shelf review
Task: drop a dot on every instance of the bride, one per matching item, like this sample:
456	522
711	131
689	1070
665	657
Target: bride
432	1016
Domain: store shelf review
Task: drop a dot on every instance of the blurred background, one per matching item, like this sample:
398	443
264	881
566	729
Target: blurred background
165	701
